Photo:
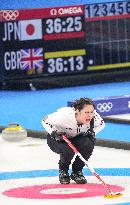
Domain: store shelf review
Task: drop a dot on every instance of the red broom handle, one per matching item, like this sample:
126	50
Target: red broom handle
91	168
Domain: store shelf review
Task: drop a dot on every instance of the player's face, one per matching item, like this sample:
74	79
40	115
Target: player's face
85	115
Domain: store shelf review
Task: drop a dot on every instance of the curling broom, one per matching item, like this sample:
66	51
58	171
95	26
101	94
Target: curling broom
110	193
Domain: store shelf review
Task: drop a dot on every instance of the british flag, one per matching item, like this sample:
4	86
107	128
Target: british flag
32	58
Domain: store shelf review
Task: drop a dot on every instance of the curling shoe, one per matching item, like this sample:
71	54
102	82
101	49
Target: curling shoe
64	177
78	177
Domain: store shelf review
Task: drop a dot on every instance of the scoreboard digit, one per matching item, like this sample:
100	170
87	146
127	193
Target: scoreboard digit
65	61
108	35
107	9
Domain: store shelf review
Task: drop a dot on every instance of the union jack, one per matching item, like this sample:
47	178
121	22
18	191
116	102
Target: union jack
31	58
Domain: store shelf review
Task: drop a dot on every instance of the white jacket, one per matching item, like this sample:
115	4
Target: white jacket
63	120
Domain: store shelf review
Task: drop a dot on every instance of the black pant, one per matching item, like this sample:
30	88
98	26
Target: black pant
84	145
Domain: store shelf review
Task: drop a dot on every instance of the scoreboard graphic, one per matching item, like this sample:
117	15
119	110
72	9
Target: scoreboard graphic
65	40
108	35
42	42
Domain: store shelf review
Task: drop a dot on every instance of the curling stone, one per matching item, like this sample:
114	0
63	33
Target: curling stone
14	132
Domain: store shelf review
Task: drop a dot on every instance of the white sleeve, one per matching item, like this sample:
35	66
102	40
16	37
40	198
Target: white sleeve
51	123
47	127
98	123
58	120
48	123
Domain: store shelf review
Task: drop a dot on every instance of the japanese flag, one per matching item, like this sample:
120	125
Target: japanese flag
30	29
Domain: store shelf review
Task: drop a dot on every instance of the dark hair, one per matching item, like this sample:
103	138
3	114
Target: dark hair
79	104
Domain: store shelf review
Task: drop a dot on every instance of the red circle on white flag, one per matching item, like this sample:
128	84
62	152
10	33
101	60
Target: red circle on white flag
30	29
